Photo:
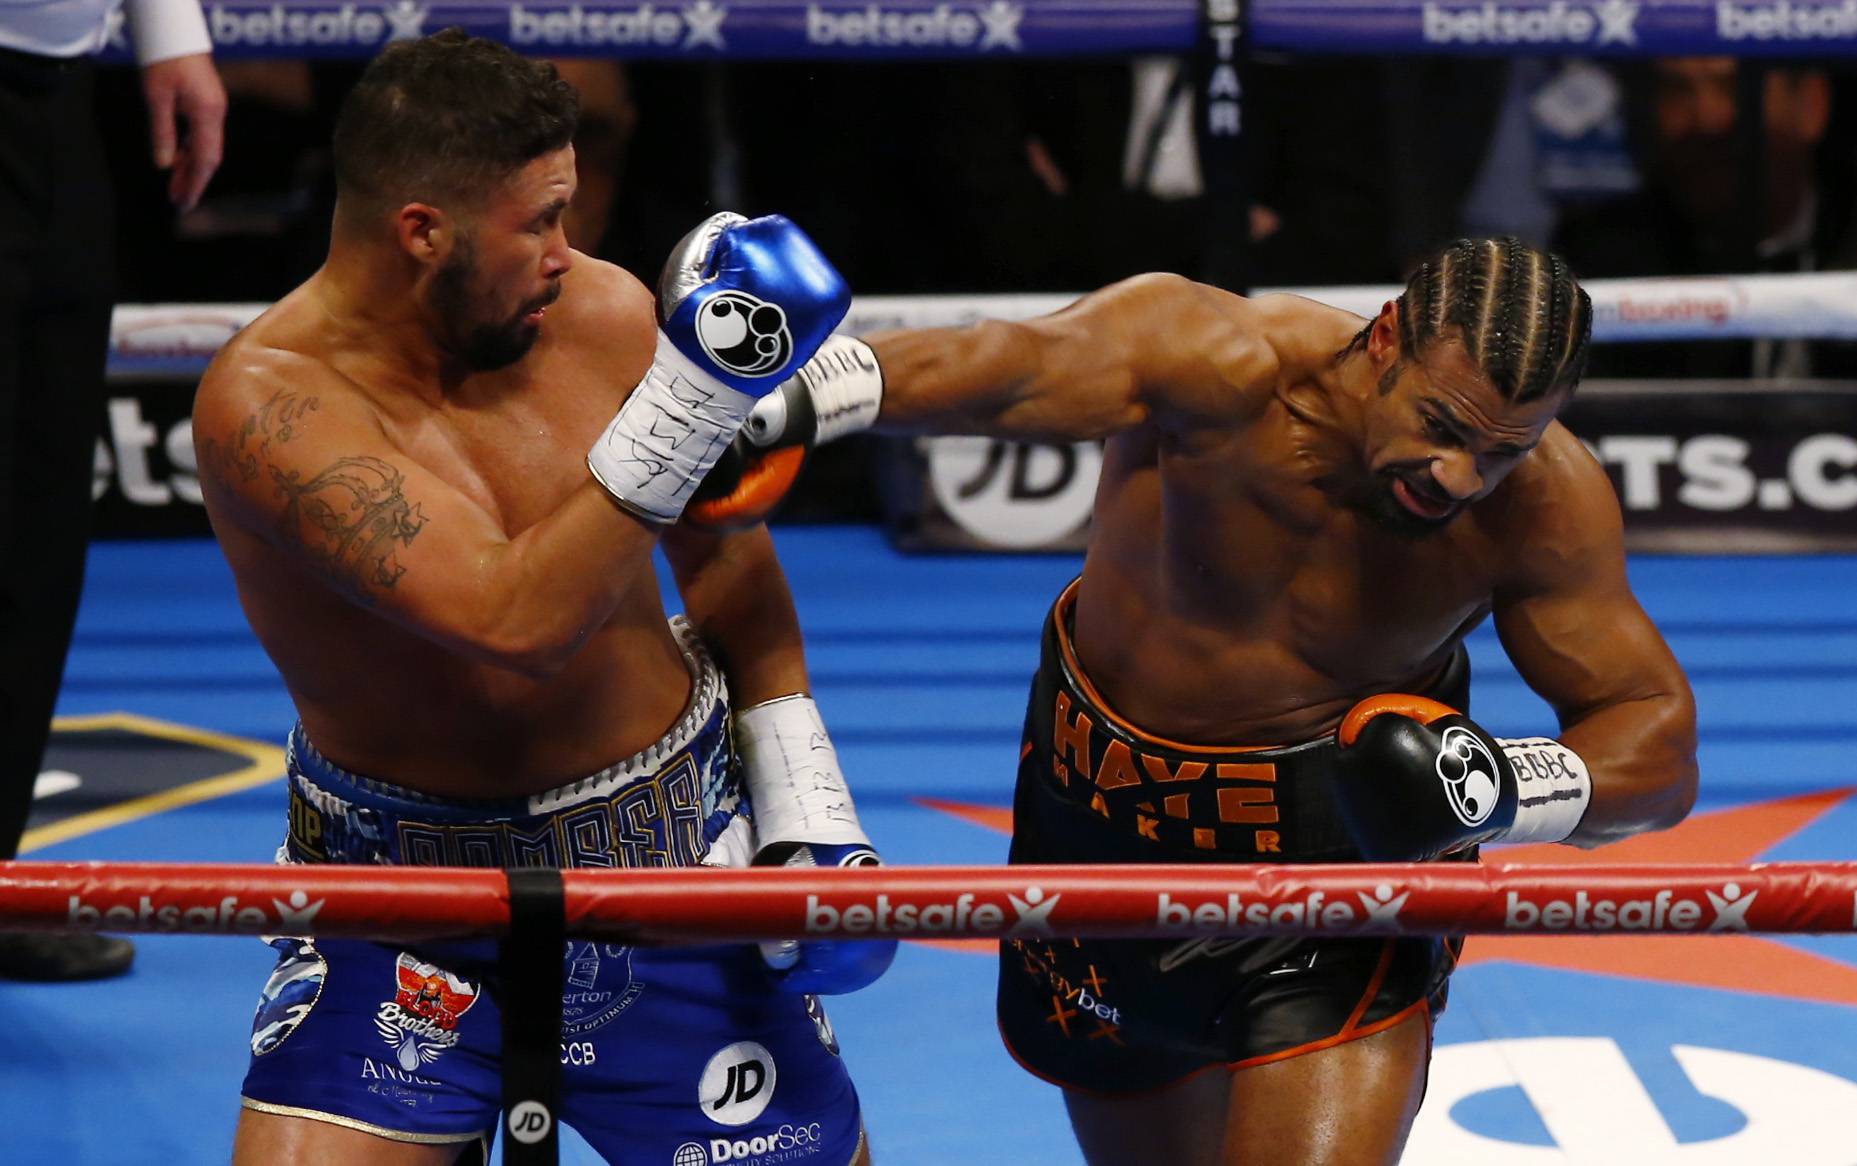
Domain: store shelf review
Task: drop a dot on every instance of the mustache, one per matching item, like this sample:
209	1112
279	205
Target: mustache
553	293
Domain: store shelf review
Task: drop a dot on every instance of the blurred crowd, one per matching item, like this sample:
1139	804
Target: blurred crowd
1062	176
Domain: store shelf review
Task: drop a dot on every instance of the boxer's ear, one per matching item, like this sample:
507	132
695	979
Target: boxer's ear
1383	335
424	232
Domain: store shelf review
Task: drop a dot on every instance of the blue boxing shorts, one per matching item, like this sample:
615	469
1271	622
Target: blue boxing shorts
686	1055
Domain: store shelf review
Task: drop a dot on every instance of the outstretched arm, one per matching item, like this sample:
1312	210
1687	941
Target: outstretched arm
1157	347
1579	638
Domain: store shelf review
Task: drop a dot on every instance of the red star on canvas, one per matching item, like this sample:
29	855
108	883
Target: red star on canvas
1736	963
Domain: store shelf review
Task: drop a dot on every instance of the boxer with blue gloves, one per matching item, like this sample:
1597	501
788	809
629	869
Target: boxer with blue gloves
396	461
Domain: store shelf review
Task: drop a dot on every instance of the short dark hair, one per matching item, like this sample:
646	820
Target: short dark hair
447	118
1519	311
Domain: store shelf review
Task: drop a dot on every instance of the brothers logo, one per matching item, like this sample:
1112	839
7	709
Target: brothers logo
421	1021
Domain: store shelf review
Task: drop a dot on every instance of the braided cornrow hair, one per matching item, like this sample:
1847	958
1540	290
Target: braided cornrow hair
1518	310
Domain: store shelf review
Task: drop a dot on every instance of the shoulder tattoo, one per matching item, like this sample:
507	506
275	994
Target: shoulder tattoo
274	422
350	519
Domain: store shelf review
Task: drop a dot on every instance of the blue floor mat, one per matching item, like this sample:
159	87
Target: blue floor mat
1714	1053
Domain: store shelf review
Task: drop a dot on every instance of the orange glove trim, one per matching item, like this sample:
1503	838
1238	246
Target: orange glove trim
1422	709
757	494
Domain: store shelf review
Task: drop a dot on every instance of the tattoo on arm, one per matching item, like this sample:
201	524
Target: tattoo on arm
274	422
352	518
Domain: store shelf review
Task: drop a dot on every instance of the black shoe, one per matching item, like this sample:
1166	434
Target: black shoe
49	956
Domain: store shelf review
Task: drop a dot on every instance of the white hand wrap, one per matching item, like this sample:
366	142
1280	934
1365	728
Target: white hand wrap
845	385
667	435
791	771
1553	789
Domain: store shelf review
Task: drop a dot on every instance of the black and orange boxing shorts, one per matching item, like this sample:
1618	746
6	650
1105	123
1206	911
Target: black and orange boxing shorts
1124	1016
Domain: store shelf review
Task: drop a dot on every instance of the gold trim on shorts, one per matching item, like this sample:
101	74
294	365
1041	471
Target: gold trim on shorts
361	1126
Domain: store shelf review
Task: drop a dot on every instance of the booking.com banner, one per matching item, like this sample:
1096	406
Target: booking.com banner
863	29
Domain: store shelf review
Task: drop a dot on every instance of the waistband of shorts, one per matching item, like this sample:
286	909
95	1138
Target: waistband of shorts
367	819
1060	659
1176	801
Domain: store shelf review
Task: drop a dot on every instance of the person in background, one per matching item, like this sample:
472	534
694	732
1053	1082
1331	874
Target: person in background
56	262
1699	214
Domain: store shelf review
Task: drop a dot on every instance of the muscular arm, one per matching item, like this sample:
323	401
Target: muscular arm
736	595
1576	633
292	454
1152	346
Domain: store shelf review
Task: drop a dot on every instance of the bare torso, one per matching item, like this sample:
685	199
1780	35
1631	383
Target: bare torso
1230	596
388	703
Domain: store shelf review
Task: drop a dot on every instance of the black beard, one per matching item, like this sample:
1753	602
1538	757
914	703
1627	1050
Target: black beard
479	347
1375	502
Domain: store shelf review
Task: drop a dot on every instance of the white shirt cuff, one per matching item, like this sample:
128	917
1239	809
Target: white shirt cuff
165	29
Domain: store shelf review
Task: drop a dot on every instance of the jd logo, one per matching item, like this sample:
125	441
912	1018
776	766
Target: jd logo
1595	1108
737	1084
744	1084
529	1122
1011	494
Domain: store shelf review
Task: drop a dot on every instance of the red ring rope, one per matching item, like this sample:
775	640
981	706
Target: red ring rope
698	905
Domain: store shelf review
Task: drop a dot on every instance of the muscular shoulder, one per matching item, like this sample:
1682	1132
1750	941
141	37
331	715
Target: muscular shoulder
266	401
1557	513
1204	353
604	311
261	369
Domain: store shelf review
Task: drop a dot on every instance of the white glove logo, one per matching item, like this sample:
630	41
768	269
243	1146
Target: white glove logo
746	335
1468	772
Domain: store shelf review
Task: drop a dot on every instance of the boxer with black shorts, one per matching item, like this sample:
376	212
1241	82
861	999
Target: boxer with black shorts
439	470
1300	517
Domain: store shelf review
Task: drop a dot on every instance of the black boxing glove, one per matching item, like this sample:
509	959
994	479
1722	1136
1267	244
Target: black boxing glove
745	485
836	393
1418	779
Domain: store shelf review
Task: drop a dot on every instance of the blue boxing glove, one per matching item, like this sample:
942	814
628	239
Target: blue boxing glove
742	304
749	300
804	817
